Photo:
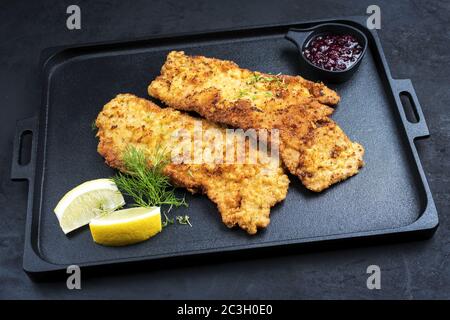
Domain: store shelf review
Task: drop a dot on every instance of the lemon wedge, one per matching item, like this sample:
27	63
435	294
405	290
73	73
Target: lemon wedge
128	226
87	201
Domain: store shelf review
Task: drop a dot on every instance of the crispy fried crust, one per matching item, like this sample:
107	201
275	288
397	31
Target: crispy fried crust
313	147
244	193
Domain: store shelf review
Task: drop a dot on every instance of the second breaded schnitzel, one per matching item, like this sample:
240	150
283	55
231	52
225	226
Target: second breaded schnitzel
313	147
243	192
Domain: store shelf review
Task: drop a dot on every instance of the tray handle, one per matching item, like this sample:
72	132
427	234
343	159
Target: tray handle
24	171
298	36
417	129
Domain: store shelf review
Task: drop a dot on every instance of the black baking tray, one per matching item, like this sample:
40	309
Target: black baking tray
389	198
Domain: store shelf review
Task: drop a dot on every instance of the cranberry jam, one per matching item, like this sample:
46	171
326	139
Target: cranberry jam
333	52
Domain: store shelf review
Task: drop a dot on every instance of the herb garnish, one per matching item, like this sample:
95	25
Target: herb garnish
167	220
242	93
259	78
184	220
144	180
255	78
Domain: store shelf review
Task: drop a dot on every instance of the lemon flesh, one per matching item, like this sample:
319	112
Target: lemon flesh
128	226
87	201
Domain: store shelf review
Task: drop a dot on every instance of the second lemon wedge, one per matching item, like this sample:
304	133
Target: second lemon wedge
128	226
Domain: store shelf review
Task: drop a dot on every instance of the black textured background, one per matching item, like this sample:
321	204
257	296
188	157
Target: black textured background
415	37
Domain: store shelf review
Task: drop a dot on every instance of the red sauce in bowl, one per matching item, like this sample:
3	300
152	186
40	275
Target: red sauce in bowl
333	52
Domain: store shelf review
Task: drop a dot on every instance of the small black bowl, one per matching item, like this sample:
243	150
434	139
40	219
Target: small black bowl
302	37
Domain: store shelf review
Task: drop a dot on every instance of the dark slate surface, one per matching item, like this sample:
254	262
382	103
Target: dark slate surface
414	35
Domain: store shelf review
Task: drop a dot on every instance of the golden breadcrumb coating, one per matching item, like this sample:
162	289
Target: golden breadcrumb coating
244	193
313	147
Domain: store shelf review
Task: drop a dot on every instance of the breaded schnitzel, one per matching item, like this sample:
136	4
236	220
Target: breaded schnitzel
244	193
313	147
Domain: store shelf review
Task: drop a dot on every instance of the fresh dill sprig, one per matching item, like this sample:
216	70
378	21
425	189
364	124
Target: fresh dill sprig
144	180
94	125
167	220
184	220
